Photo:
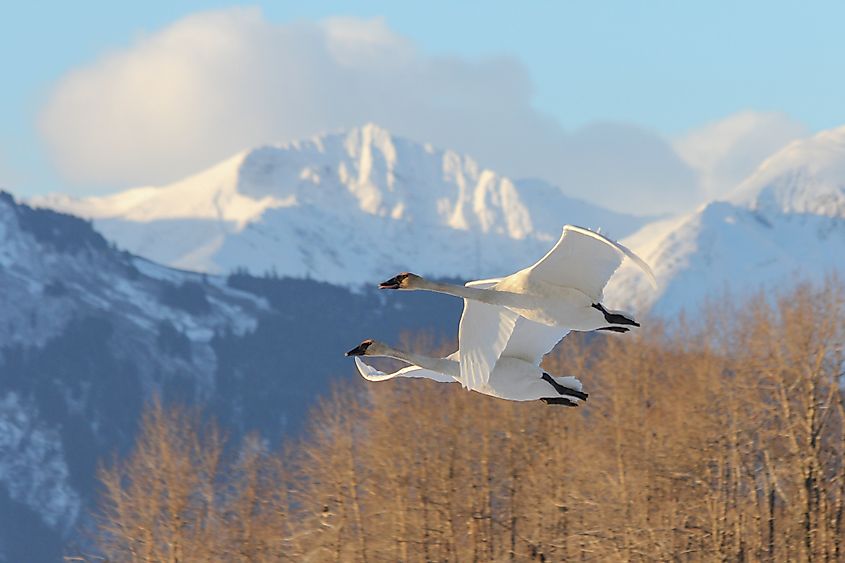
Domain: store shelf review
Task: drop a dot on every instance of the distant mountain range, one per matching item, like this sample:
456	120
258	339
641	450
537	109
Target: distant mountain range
785	223
347	208
88	332
351	208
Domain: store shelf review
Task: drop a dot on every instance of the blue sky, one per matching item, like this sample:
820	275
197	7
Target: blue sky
667	67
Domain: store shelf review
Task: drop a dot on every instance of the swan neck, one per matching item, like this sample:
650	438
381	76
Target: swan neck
401	355
426	362
483	295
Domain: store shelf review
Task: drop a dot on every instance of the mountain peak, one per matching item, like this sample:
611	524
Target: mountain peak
372	133
343	207
786	222
805	177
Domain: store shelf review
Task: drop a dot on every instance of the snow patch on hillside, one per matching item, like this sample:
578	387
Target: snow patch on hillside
32	464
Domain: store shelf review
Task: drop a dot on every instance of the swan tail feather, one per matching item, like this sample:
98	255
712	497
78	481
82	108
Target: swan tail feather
572	388
570	382
569	387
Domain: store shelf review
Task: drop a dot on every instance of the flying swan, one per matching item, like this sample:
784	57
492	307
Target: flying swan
563	289
516	375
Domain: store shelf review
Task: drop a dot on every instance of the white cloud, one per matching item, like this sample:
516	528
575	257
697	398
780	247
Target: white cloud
725	152
215	83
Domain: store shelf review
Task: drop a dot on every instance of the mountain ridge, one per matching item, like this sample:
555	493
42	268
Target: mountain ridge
350	208
299	208
783	224
89	333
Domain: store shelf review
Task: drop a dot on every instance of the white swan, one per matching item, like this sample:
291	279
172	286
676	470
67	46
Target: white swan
516	374
563	289
512	378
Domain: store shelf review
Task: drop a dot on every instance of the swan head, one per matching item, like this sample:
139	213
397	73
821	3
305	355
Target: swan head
361	349
405	280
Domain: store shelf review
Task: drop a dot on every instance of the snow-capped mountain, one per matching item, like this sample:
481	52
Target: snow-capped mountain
805	178
346	208
785	223
350	208
89	332
81	333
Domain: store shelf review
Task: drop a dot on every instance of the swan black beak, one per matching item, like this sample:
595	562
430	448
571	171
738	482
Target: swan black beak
359	350
392	283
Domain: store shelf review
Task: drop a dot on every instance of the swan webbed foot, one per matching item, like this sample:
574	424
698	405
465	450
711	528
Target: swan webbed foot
563	390
559	401
614	318
619	329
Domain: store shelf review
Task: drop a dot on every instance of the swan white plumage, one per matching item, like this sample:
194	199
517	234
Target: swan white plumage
512	378
563	289
516	374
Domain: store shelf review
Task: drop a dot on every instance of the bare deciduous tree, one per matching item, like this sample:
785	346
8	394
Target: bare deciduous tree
721	439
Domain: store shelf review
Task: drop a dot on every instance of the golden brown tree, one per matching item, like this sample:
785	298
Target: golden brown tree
715	439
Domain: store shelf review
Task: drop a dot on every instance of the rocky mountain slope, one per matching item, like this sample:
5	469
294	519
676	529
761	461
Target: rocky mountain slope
88	333
346	208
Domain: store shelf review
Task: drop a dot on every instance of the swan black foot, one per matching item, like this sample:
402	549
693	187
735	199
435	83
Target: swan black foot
615	318
559	401
562	389
621	329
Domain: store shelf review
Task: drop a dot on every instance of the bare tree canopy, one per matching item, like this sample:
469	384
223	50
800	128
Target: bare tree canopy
719	441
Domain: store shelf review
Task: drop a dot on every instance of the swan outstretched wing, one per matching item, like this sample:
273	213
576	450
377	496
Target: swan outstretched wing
370	373
530	341
584	260
482	336
488	332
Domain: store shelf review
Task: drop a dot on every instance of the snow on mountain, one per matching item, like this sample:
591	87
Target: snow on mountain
86	332
806	177
784	223
347	208
89	332
27	443
350	208
71	269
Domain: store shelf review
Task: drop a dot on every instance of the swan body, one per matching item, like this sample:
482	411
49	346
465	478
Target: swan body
515	372
539	301
512	378
562	290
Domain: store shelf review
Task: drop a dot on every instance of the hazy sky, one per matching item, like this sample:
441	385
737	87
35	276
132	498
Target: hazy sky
679	97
